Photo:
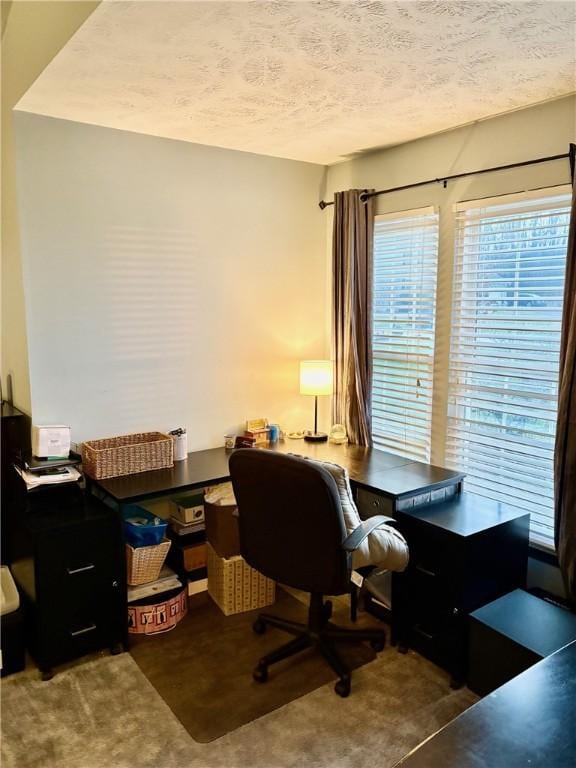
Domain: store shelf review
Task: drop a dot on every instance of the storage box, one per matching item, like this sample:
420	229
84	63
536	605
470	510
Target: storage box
127	454
50	441
143	564
158	615
188	558
189	509
222	528
142	528
235	586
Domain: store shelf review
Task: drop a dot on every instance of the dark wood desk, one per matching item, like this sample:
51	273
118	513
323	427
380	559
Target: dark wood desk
527	722
383	473
465	533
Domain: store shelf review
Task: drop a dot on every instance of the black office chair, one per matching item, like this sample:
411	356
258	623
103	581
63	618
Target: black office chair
292	530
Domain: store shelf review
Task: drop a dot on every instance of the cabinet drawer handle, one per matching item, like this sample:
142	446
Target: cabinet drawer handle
427	635
425	571
91	628
376	503
72	571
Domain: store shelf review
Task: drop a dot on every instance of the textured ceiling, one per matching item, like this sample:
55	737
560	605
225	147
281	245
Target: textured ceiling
312	81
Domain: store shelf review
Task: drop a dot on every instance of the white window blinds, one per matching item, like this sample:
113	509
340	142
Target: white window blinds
405	263
509	263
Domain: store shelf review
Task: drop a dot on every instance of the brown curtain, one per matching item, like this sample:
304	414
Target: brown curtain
565	452
352	313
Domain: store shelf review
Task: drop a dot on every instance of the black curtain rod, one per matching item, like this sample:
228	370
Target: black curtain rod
445	179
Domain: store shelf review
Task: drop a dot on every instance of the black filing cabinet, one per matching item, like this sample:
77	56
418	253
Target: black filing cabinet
70	568
511	634
464	553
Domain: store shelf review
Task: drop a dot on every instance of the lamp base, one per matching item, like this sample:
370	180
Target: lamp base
316	437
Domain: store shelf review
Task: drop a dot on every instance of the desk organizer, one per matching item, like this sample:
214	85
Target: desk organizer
127	454
235	586
143	564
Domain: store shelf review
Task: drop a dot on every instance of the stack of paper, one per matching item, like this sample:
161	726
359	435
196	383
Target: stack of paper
61	475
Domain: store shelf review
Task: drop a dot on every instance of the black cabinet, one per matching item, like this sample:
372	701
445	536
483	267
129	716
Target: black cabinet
464	553
15	442
510	634
70	569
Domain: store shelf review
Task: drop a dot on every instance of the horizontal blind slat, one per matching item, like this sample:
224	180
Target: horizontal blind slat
508	288
403	318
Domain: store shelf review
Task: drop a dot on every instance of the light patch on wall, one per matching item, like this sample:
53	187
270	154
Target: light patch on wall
149	287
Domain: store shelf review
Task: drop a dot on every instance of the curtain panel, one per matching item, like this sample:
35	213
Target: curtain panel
352	246
565	451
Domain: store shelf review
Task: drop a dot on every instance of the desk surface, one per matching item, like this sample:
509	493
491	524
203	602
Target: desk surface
377	470
527	722
466	515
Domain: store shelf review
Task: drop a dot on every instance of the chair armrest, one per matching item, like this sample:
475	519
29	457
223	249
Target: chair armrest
359	534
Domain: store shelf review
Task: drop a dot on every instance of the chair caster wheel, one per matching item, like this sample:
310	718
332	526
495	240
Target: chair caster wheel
259	627
46	674
260	674
402	648
378	645
342	687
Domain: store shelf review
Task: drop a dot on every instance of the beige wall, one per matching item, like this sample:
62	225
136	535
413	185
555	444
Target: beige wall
539	131
32	34
166	283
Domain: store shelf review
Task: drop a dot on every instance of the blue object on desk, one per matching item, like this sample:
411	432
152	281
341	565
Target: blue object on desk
141	527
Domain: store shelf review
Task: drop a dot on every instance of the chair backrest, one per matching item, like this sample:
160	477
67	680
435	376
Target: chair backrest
291	521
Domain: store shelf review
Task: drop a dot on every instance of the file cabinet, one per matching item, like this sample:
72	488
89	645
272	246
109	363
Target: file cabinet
70	569
464	553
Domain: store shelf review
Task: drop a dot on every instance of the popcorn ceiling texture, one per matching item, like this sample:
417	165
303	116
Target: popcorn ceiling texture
313	81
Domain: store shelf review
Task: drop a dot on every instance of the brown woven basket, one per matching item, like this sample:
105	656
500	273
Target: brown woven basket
143	564
126	455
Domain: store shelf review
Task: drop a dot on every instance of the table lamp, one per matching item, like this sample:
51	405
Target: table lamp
316	379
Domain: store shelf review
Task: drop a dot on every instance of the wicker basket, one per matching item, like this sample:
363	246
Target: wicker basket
143	564
126	455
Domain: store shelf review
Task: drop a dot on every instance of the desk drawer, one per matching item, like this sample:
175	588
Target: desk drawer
370	504
73	565
83	629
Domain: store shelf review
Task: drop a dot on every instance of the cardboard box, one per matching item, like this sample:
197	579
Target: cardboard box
222	528
235	586
194	557
189	509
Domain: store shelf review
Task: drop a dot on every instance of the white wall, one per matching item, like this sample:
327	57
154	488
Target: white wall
32	34
539	131
166	283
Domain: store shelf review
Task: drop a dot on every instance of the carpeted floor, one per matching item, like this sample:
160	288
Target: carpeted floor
203	668
105	714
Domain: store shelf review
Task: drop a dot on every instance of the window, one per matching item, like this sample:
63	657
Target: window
509	263
404	305
495	357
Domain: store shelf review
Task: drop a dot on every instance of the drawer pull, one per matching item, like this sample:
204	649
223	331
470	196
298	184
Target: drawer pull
91	628
72	571
425	571
427	635
376	503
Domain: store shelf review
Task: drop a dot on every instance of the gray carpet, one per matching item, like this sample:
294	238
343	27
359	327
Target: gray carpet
105	714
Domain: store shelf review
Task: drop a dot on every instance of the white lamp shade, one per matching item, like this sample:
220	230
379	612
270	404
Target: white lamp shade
316	377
